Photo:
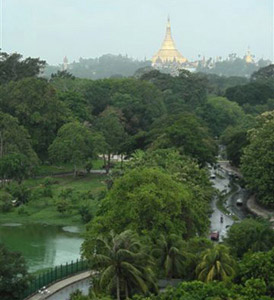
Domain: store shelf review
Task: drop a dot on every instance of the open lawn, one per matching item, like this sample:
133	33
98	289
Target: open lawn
42	208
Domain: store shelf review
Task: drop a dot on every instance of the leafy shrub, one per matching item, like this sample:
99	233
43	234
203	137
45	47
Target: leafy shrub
85	213
22	211
19	191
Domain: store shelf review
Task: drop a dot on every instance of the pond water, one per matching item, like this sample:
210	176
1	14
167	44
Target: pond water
43	246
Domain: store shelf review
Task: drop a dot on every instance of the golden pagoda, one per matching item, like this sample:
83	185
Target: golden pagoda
248	57
168	52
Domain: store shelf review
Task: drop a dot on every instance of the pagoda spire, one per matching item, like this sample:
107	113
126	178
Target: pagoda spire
168	51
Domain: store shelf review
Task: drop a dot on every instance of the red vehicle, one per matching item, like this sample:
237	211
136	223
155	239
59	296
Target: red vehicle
214	235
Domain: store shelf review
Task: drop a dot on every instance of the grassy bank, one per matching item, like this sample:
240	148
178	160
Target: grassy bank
41	208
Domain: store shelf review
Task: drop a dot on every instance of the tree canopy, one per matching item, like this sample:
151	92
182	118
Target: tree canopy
257	160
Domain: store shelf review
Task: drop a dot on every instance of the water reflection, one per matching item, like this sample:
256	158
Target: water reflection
42	246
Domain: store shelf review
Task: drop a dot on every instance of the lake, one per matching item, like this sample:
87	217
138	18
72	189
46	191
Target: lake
43	246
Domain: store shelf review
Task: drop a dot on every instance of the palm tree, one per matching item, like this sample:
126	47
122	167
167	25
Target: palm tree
216	264
122	264
172	258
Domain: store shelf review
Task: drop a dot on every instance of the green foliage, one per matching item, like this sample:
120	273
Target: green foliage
20	192
85	213
186	91
13	274
151	202
216	264
17	158
110	125
188	134
253	93
62	74
22	210
74	143
258	266
89	165
257	166
5	202
219	113
13	68
77	104
196	290
171	256
34	103
62	206
263	74
16	166
122	262
250	235
235	139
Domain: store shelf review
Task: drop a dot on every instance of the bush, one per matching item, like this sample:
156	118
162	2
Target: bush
22	211
85	213
49	181
19	191
5	202
62	206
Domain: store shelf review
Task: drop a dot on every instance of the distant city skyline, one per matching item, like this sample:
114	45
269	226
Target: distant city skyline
54	29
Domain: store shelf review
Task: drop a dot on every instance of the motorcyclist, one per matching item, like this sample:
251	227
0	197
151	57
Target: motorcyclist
222	219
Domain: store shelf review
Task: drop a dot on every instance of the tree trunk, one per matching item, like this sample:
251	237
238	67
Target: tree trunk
1	145
122	160
108	164
105	162
126	291
118	288
74	170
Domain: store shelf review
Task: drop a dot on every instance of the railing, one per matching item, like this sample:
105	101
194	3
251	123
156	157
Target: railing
53	275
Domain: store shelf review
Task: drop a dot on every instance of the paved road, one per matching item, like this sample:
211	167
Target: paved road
222	183
52	289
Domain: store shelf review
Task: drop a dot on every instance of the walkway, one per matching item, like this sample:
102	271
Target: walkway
60	285
258	210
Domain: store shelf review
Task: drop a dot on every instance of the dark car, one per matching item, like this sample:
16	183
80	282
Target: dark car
214	235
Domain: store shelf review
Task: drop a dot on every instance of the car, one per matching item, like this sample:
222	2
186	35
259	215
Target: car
214	235
212	176
239	202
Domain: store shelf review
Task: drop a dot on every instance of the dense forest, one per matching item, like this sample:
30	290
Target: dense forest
152	221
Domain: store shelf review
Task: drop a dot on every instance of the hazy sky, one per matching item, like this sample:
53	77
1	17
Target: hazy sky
51	29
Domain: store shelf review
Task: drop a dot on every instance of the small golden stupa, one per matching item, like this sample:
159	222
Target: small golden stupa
248	57
168	52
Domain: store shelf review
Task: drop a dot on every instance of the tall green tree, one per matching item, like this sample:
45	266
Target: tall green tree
258	265
171	255
17	158
13	67
257	160
110	125
250	235
187	133
14	278
150	202
122	263
74	143
219	113
34	103
216	264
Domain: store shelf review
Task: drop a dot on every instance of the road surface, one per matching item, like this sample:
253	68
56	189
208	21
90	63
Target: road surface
222	183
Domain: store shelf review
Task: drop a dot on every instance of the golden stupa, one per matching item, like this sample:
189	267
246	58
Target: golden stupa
168	52
248	57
